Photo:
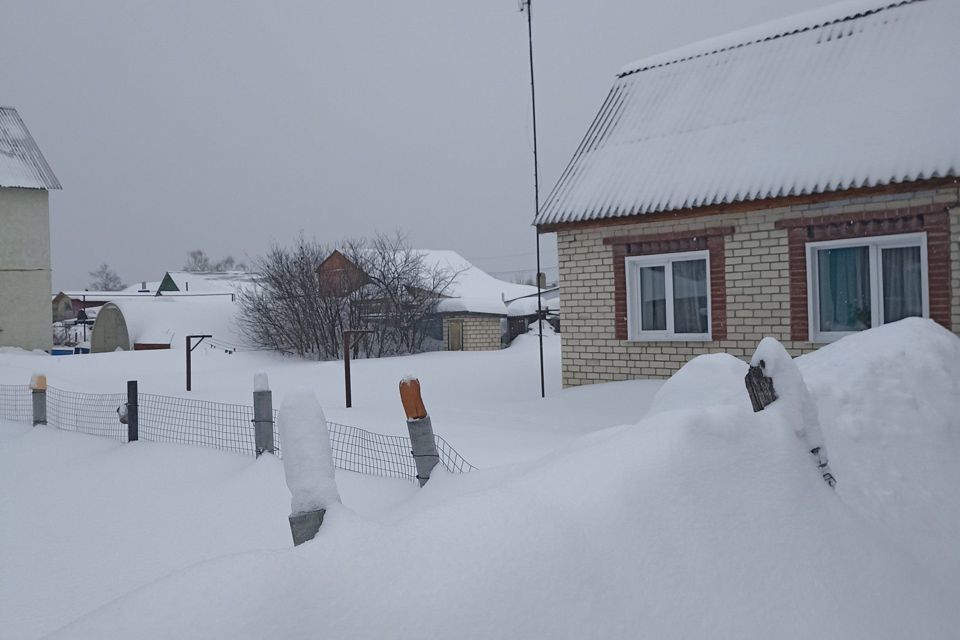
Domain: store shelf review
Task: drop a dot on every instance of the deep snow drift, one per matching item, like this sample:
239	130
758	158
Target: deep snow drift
702	520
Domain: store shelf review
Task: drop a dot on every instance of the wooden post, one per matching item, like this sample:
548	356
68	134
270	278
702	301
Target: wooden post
133	417
348	391
422	441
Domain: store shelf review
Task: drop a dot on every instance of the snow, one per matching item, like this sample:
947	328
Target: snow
208	282
695	518
307	459
261	382
752	116
169	319
473	290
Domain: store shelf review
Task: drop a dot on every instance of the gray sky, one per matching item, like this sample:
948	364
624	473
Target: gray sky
229	126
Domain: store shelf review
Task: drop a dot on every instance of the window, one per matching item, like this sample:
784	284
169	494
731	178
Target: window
668	296
865	282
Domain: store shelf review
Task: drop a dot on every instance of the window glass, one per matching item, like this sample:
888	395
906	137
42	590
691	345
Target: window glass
690	296
844	286
902	283
653	299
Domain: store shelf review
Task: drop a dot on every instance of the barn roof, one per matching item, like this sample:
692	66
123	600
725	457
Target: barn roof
21	163
857	94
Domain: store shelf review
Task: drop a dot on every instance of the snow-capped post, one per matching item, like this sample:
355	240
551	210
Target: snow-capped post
774	376
423	444
307	463
38	389
262	413
133	416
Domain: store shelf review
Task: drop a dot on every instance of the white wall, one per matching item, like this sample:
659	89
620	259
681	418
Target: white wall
25	312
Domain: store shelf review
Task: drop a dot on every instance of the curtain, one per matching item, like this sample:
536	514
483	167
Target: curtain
653	299
690	296
844	287
902	283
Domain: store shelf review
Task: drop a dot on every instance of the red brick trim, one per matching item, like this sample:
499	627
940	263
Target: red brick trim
711	240
933	219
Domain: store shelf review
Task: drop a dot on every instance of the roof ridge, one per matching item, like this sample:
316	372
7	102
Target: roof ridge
677	55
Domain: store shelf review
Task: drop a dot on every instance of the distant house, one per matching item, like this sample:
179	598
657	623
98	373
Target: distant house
471	313
62	307
25	182
795	180
205	282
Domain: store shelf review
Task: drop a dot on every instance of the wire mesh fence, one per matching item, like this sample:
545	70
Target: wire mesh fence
228	427
92	413
15	403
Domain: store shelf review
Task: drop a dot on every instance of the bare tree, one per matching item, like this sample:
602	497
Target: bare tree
106	279
389	289
403	293
199	261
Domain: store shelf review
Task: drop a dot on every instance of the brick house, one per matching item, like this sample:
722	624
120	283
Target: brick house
797	180
471	313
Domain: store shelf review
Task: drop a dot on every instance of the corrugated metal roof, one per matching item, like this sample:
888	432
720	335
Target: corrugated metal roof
857	94
21	163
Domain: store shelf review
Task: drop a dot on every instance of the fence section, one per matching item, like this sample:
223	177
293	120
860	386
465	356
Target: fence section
92	413
15	403
228	427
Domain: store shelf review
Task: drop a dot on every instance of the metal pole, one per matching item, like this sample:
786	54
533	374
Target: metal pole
346	367
263	420
190	347
38	389
133	417
423	444
536	190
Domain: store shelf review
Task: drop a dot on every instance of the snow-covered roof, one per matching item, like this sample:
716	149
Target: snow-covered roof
211	281
169	319
527	305
473	290
856	94
21	163
94	296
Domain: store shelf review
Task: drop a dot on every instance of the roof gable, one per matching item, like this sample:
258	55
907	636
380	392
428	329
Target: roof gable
857	94
21	163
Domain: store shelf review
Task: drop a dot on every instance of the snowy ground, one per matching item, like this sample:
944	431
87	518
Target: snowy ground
699	519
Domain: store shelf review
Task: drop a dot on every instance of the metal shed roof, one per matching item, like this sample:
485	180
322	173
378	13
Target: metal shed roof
857	94
21	163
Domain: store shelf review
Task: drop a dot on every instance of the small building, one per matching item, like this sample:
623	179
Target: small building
205	282
795	180
25	182
164	322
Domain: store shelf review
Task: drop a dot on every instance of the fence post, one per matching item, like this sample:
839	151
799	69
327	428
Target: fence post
38	389
133	418
423	444
262	413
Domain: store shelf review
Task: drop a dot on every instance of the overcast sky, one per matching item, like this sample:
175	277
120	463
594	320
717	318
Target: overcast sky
229	126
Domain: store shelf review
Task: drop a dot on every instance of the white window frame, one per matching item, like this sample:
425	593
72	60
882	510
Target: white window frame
632	265
875	244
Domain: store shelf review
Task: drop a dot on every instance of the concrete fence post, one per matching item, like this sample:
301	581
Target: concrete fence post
38	390
133	415
423	444
263	414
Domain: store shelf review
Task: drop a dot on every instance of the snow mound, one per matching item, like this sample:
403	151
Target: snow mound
307	459
697	523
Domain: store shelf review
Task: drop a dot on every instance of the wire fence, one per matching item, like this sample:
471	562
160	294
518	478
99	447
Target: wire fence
228	427
15	403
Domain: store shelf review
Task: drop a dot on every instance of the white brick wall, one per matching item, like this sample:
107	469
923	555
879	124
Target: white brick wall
757	279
